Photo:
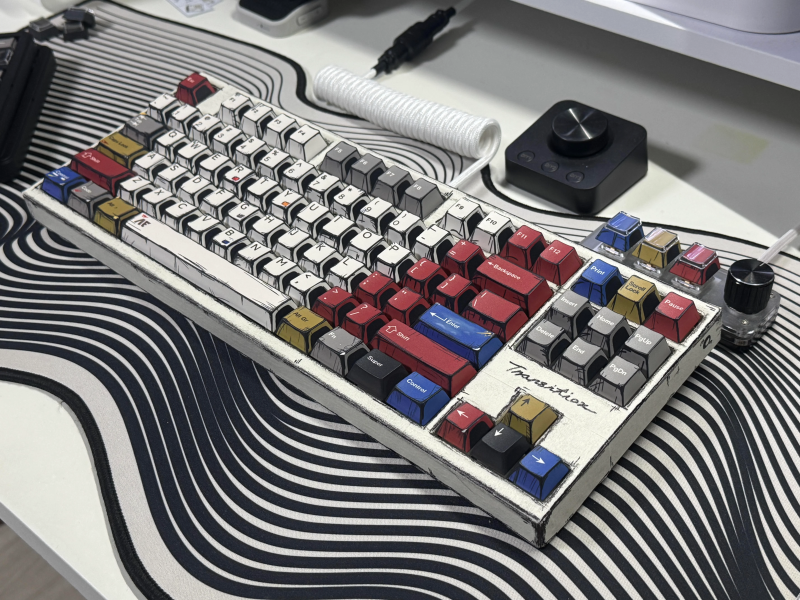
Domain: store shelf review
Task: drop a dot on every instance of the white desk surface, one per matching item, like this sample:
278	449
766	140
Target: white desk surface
724	151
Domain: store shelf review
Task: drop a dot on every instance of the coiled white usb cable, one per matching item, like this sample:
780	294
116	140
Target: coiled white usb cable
442	126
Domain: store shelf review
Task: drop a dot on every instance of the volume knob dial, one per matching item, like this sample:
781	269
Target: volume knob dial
748	286
579	131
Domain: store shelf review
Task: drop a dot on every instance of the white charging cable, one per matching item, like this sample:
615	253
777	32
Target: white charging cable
781	243
442	126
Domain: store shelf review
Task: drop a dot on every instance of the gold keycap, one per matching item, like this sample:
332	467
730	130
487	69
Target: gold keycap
636	300
121	149
302	328
658	248
530	417
112	214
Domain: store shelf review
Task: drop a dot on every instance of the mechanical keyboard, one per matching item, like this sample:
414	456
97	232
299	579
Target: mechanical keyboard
513	365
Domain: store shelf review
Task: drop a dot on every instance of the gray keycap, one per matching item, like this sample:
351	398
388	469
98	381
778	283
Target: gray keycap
338	350
570	311
85	198
365	172
646	349
421	198
608	330
143	129
619	381
545	343
392	185
581	362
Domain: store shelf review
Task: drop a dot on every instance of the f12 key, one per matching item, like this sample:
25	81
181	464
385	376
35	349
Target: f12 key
26	71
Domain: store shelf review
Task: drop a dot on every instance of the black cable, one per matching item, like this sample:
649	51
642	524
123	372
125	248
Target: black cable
413	41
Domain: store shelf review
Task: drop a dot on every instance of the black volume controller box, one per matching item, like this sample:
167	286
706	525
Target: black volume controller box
578	157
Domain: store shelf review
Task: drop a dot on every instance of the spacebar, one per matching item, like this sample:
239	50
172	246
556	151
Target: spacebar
211	273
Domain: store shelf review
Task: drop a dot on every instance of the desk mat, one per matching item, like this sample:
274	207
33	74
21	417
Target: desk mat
220	481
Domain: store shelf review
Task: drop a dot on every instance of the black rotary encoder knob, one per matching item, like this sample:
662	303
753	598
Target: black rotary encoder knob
749	286
579	131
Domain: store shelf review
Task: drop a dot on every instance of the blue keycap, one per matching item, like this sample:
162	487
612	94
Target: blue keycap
418	398
61	182
539	472
599	282
622	232
458	335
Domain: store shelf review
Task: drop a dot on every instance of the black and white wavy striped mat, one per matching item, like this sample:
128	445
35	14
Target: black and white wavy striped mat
219	481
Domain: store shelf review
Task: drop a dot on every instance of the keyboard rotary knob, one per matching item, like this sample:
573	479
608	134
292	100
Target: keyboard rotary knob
748	286
579	131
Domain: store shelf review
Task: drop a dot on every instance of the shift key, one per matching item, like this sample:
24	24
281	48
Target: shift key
418	353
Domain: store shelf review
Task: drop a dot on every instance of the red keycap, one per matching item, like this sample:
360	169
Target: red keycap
364	321
376	289
418	353
406	306
557	263
524	247
697	265
501	317
463	259
423	277
194	89
464	427
97	167
334	305
674	317
455	293
513	283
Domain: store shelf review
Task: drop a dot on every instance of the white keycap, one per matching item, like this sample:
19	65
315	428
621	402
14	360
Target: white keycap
433	243
349	202
169	143
147	166
218	203
306	288
274	164
161	108
492	233
212	274
262	192
232	110
267	230
306	143
365	247
293	244
254	121
405	229
172	178
299	176
250	152
154	203
394	262
280	272
279	130
347	274
287	205
195	190
214	167
320	258
131	190
203	228
191	155
462	219
376	216
205	128
237	179
312	219
338	233
242	216
254	257
323	189
180	213
227	140
183	118
227	243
